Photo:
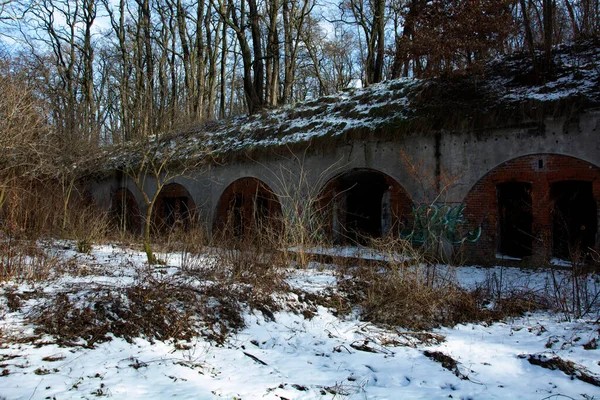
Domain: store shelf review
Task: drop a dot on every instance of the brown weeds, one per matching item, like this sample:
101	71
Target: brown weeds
410	290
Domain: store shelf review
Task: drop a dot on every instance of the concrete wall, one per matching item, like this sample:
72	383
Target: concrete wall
442	166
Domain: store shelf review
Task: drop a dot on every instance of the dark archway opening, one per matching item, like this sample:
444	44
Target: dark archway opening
574	218
516	219
125	212
364	194
174	209
362	204
247	207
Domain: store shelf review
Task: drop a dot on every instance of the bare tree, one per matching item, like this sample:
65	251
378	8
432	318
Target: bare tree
440	36
244	19
296	17
369	16
153	163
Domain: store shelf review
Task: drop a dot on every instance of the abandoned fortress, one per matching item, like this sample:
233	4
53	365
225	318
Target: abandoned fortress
506	167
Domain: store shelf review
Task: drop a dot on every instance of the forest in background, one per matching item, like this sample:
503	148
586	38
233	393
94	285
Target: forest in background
104	71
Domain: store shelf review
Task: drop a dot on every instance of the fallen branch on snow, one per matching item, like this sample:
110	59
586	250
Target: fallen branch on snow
571	368
447	362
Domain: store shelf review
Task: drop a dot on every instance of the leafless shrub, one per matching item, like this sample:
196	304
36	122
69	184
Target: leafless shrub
407	288
87	225
575	293
251	261
508	298
303	223
194	240
24	261
156	306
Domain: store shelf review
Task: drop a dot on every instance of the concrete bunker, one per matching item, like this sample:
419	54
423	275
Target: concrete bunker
363	203
174	209
247	206
125	212
537	206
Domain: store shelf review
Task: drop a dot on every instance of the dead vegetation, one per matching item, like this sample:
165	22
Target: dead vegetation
447	362
220	279
413	290
24	261
553	362
153	307
207	295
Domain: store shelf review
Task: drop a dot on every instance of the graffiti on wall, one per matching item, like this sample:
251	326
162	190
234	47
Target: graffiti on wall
436	222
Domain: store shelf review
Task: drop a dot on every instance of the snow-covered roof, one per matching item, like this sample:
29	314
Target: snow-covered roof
505	93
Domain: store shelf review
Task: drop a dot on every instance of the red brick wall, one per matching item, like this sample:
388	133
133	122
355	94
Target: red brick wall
249	188
482	203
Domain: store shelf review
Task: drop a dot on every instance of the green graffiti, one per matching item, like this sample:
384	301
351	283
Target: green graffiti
434	222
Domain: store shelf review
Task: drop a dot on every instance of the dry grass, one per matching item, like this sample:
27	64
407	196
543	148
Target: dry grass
411	290
24	261
208	296
154	306
405	299
87	225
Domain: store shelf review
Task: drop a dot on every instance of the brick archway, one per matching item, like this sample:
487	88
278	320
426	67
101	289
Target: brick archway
125	212
536	182
247	205
362	203
174	209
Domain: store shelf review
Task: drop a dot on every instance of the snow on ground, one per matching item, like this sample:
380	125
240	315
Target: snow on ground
291	357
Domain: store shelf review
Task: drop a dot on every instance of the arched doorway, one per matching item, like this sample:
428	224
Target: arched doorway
125	212
363	203
174	209
574	217
536	206
247	206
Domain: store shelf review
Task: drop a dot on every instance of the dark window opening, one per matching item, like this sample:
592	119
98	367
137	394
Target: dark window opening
362	215
574	218
516	219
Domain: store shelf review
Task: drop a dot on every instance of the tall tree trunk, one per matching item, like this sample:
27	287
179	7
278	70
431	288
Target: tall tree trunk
379	45
528	34
548	12
257	62
89	15
574	25
199	61
186	58
272	54
223	85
